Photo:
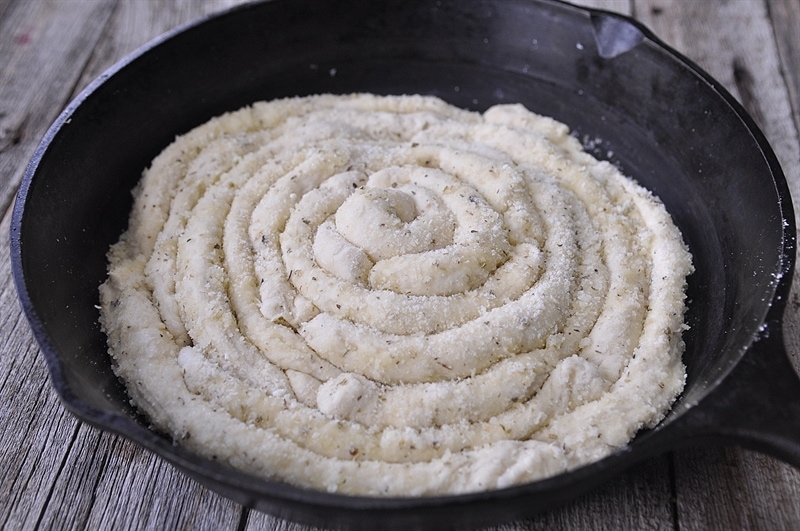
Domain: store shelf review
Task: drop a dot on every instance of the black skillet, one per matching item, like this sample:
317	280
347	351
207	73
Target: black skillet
630	99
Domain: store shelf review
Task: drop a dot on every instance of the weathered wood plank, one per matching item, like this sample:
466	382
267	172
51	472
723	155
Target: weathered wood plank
73	475
43	44
624	7
110	483
784	16
4	4
733	488
36	430
785	19
136	22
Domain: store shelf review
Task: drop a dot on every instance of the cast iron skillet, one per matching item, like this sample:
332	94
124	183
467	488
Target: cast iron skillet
628	96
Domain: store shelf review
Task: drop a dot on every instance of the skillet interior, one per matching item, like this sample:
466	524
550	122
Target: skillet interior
629	99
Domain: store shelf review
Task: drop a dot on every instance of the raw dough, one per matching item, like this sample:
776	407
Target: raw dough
393	296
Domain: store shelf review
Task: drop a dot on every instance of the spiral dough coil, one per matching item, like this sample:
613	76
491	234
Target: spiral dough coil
393	296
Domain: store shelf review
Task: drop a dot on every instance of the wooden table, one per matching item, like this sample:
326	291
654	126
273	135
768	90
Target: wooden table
56	472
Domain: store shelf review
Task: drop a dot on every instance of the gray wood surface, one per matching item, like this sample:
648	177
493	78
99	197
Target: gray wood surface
58	473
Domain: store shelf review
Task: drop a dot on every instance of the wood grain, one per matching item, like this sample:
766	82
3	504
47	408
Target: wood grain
36	430
732	488
60	473
623	7
135	23
43	49
784	16
41	487
103	473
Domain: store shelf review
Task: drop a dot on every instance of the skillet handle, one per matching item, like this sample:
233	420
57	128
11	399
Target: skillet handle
757	405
